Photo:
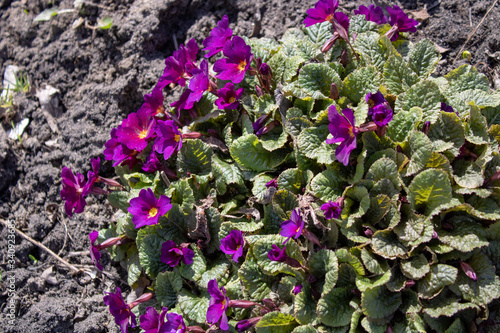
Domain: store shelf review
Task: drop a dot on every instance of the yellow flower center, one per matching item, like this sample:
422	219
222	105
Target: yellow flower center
152	212
143	134
351	131
231	99
242	65
223	304
177	138
329	17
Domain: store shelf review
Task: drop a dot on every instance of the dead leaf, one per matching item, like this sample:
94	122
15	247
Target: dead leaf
441	49
421	15
49	276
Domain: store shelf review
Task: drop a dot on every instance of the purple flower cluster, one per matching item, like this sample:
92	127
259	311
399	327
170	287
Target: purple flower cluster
332	209
379	109
372	13
122	312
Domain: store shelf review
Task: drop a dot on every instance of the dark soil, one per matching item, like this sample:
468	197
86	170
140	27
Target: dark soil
102	76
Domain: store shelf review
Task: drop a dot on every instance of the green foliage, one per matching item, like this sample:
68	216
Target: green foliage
418	199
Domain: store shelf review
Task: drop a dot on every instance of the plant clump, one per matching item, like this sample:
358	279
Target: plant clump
328	182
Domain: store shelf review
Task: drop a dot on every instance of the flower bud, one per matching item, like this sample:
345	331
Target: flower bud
334	91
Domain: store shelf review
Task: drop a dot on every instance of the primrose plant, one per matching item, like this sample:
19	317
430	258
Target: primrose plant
328	182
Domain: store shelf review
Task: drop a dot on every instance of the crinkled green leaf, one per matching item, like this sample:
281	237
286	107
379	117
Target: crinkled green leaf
194	271
295	125
248	152
363	283
360	82
167	285
263	48
467	77
439	277
423	58
319	33
284	202
181	193
424	94
379	302
386	244
276	322
446	305
416	267
419	152
327	186
356	203
217	272
150	254
379	207
398	77
447	134
411	303
376	49
253	280
476	129
460	100
315	80
344	256
373	264
291	180
384	168
312	143
304	306
225	174
324	263
334	308
429	190
133	265
305	329
193	307
275	139
195	157
119	199
403	123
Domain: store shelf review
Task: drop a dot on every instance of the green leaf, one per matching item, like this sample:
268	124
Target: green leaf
380	205
305	328
167	285
248	152
424	94
403	123
319	33
423	58
225	174
327	186
416	267
384	168
398	77
324	263
295	125
334	308
487	286
356	203
374	49
447	134
468	174
476	128
284	202
195	157
371	327
262	247
439	277
446	304
316	79
259	189
254	282
133	265
194	271
379	302
312	143
429	190
291	180
419	152
275	139
181	193
119	199
193	307
46	15
276	322
345	257
363	283
467	77
373	264
460	100
105	23
217	272
386	244
360	82
150	254
264	48
358	24
304	307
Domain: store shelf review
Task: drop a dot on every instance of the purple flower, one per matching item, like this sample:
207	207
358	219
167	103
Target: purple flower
272	183
120	310
218	305
400	22
372	13
182	103
93	175
323	11
171	254
136	130
260	124
331	209
118	152
293	227
233	244
228	97
198	84
168	138
343	131
73	192
153	102
468	270
152	163
297	289
152	322
238	58
275	254
448	108
245	324
218	37
179	66
146	209
95	255
379	108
